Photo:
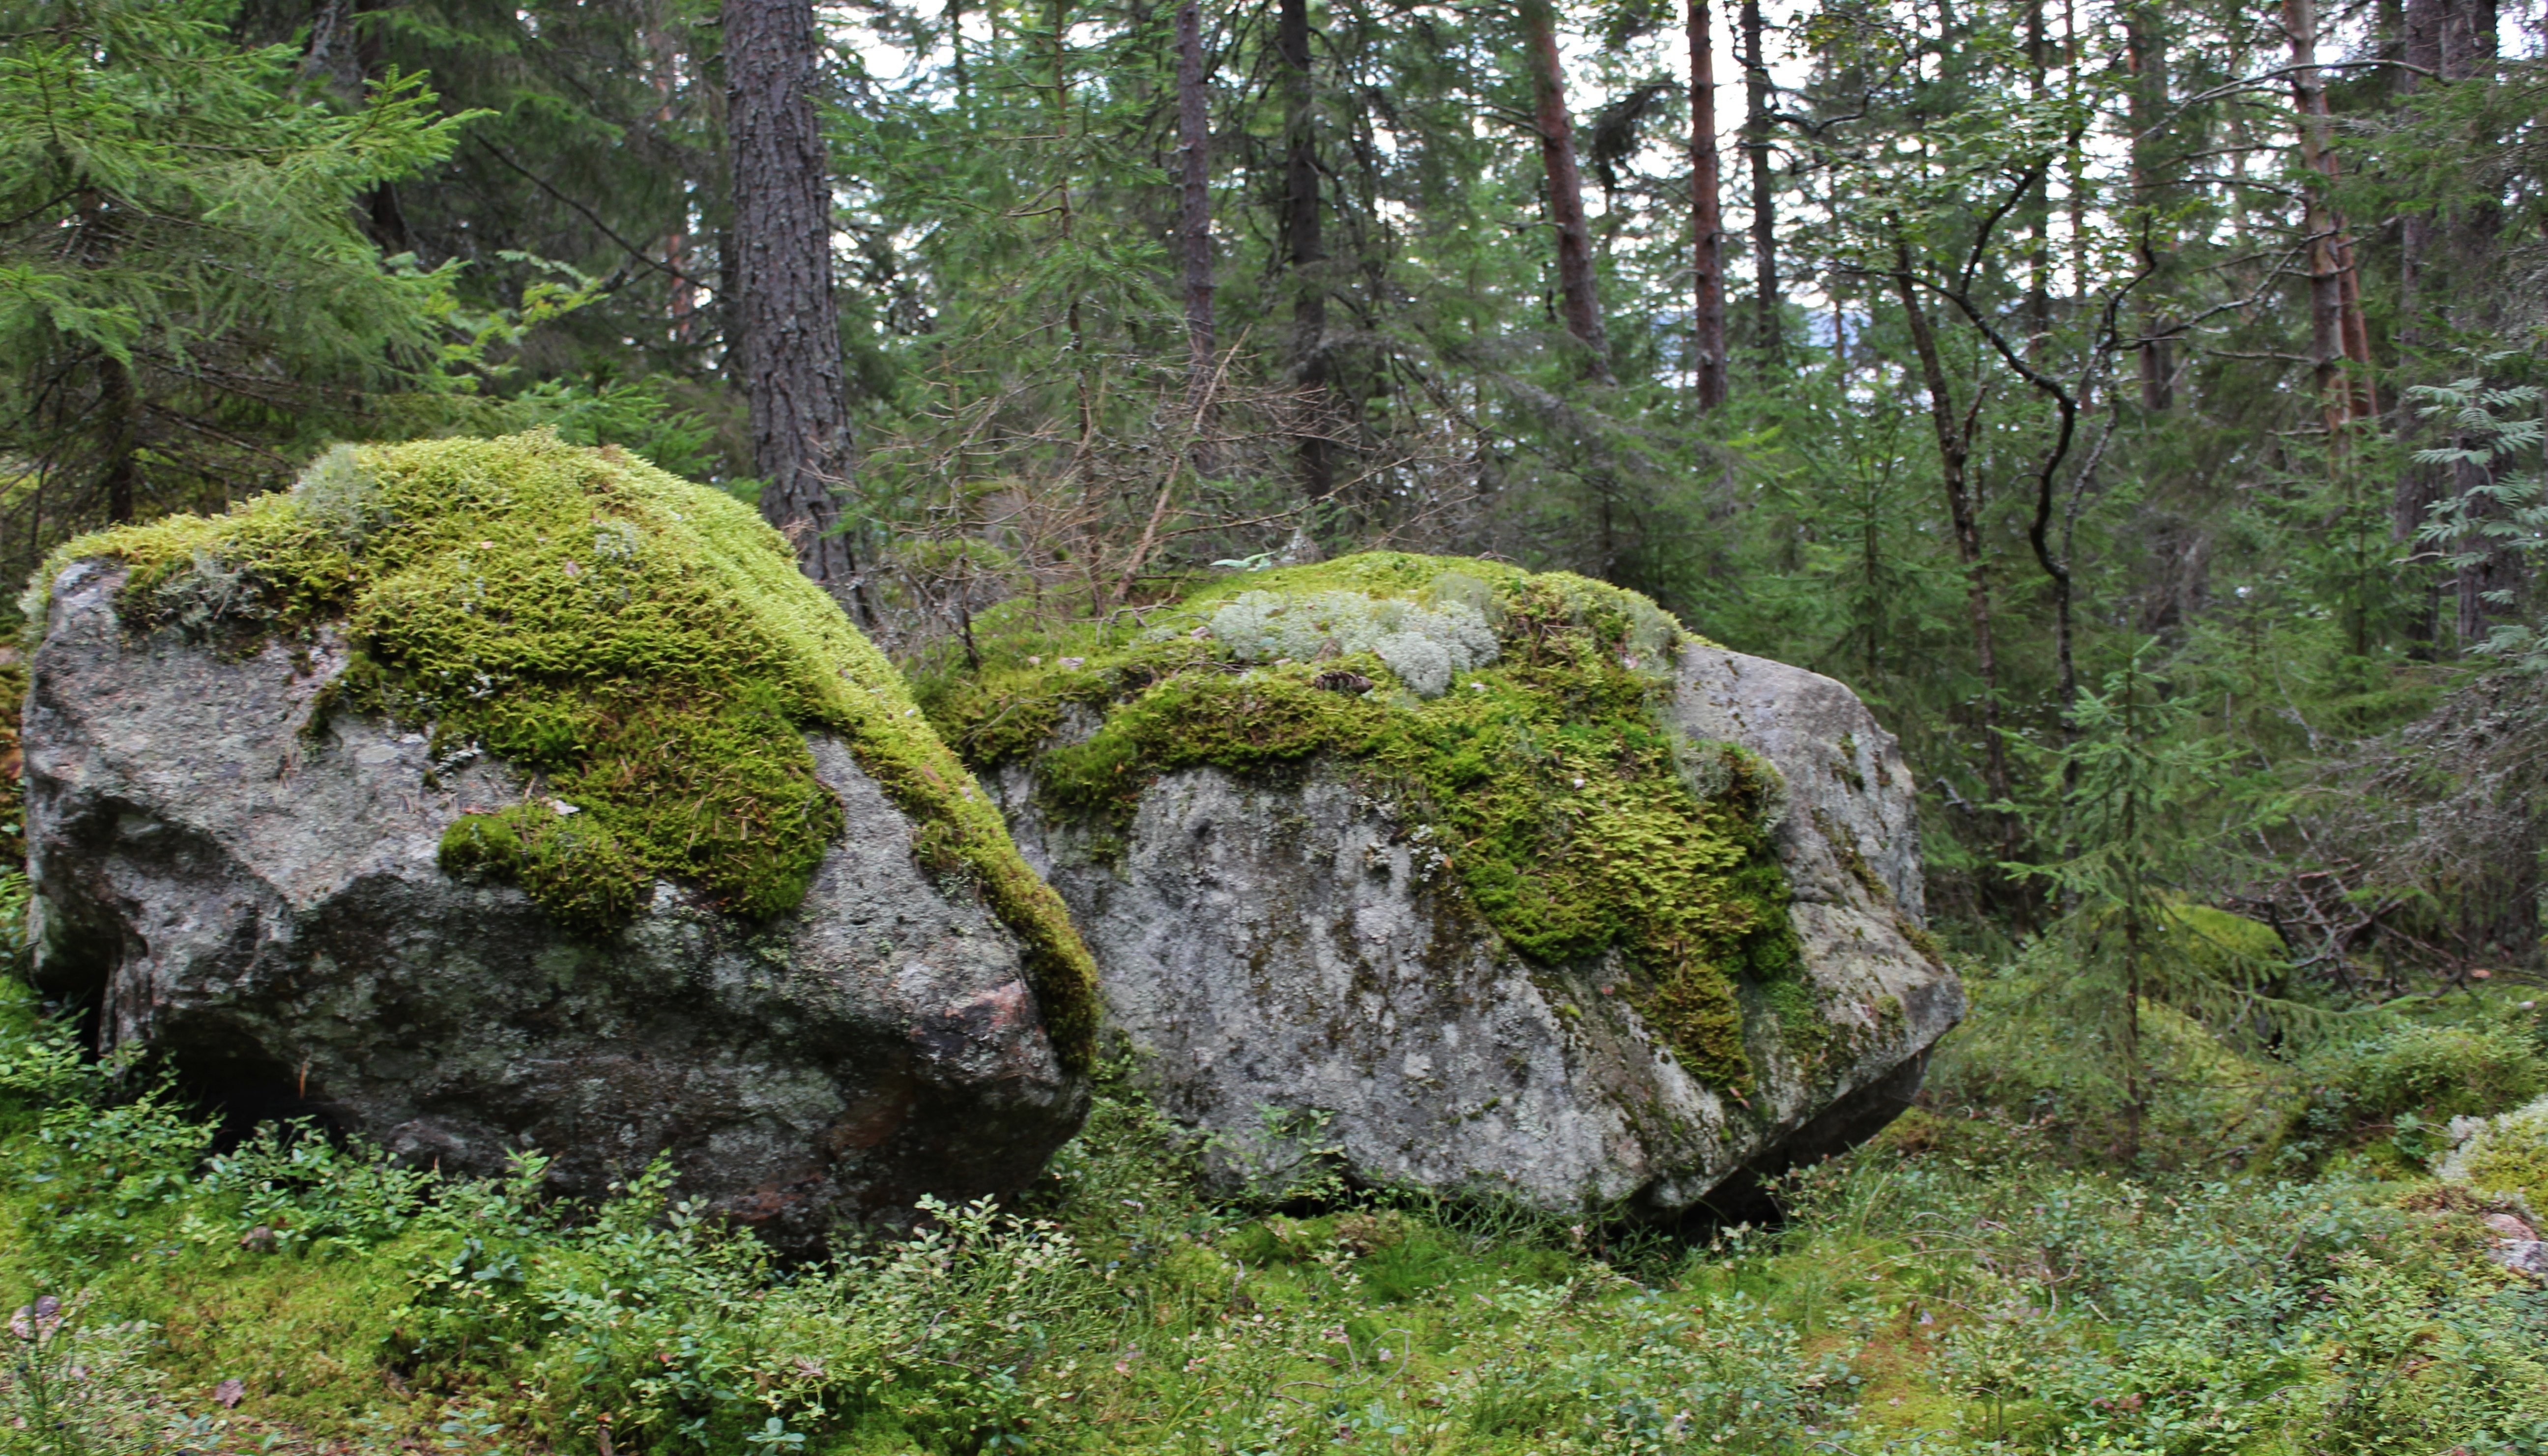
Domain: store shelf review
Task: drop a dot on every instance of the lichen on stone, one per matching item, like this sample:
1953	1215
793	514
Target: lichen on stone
2503	1154
643	647
1423	644
1567	808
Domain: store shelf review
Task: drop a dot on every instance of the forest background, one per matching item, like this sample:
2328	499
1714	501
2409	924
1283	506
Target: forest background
1971	354
2138	404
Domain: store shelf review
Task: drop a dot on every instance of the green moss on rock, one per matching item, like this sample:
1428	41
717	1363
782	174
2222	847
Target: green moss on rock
643	645
1521	719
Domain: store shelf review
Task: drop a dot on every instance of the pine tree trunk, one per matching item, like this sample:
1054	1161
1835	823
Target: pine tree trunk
1194	224
2146	60
1575	285
1766	300
1304	249
789	353
1707	216
2338	334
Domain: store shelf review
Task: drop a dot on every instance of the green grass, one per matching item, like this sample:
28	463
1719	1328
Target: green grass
1956	1287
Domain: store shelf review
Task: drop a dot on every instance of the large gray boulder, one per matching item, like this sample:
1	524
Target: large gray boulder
1295	977
252	888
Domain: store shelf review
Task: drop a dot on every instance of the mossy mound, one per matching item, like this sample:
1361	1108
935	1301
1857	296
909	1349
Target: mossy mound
1519	716
2507	1154
644	646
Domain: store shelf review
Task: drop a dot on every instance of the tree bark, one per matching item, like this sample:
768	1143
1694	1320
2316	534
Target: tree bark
121	414
789	353
2338	334
1765	300
2146	60
1304	249
2039	201
1707	216
1194	224
1577	293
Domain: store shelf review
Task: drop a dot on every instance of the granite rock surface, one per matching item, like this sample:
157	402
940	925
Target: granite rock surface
258	900
1300	979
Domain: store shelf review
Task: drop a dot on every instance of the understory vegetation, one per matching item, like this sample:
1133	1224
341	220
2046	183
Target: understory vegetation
2283	1272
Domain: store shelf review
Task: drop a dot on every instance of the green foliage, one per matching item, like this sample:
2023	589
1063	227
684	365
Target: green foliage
1544	780
644	646
2441	1071
183	275
2392	1096
1967	1296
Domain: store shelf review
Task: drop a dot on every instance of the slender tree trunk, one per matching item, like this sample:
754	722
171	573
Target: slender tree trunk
2146	59
2420	47
2039	201
2074	163
120	412
1707	216
2338	334
1955	455
2135	1098
1556	127
2418	486
1194	226
788	355
1765	300
1304	249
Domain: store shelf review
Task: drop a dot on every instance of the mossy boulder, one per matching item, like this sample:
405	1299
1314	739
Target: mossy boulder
481	794
1471	879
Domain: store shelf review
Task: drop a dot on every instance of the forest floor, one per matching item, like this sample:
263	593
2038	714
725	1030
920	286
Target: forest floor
1982	1278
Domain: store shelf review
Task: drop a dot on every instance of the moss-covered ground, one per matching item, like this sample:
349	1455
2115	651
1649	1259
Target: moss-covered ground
1565	806
643	647
1974	1282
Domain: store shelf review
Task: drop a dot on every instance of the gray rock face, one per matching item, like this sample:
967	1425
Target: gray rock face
267	910
1296	977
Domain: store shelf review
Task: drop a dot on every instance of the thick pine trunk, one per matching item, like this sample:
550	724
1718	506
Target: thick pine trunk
1765	300
1707	216
1194	222
1581	301
1303	248
787	355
